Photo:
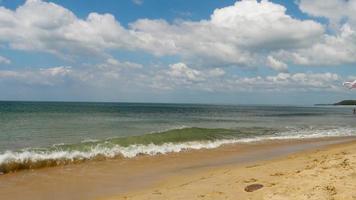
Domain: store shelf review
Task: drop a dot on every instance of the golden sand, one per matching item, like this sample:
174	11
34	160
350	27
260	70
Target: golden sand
221	173
329	173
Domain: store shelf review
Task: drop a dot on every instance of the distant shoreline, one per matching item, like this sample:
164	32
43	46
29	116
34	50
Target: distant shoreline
340	103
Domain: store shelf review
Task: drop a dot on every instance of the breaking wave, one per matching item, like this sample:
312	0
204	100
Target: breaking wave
175	140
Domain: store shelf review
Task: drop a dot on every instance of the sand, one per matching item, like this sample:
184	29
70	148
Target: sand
325	169
327	173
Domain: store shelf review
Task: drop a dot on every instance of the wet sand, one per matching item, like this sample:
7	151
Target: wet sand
201	174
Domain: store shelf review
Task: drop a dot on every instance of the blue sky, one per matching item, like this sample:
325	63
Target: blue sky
203	51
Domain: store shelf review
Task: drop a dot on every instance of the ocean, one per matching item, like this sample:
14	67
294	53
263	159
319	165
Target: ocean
40	134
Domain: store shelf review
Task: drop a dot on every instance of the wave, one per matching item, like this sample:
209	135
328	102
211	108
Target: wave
176	140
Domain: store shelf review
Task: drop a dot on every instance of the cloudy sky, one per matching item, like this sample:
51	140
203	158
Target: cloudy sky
201	51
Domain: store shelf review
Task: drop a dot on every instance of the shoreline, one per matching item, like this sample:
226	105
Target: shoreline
328	172
102	179
157	143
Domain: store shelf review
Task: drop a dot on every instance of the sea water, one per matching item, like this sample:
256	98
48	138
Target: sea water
37	134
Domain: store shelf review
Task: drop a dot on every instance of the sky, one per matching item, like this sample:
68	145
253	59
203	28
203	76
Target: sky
178	51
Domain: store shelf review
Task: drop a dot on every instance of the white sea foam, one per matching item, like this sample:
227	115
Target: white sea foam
89	140
171	129
131	151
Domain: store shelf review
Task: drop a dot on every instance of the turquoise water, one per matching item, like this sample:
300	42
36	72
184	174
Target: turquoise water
50	133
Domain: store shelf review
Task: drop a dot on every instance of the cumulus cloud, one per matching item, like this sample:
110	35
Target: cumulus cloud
335	48
48	27
276	65
249	33
336	11
238	34
181	70
180	76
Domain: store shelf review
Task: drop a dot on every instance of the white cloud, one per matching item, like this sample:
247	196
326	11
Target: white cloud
107	72
44	26
241	34
178	76
181	76
4	60
276	65
248	33
238	34
217	72
285	82
137	2
113	64
56	71
181	70
332	50
335	10
46	76
110	72
338	46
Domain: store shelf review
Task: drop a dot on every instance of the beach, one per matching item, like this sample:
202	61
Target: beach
325	173
90	151
321	168
177	100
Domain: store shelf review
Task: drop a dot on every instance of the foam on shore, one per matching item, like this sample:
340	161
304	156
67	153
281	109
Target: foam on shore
170	141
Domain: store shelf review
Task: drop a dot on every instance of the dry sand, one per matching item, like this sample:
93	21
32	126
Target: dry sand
327	173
